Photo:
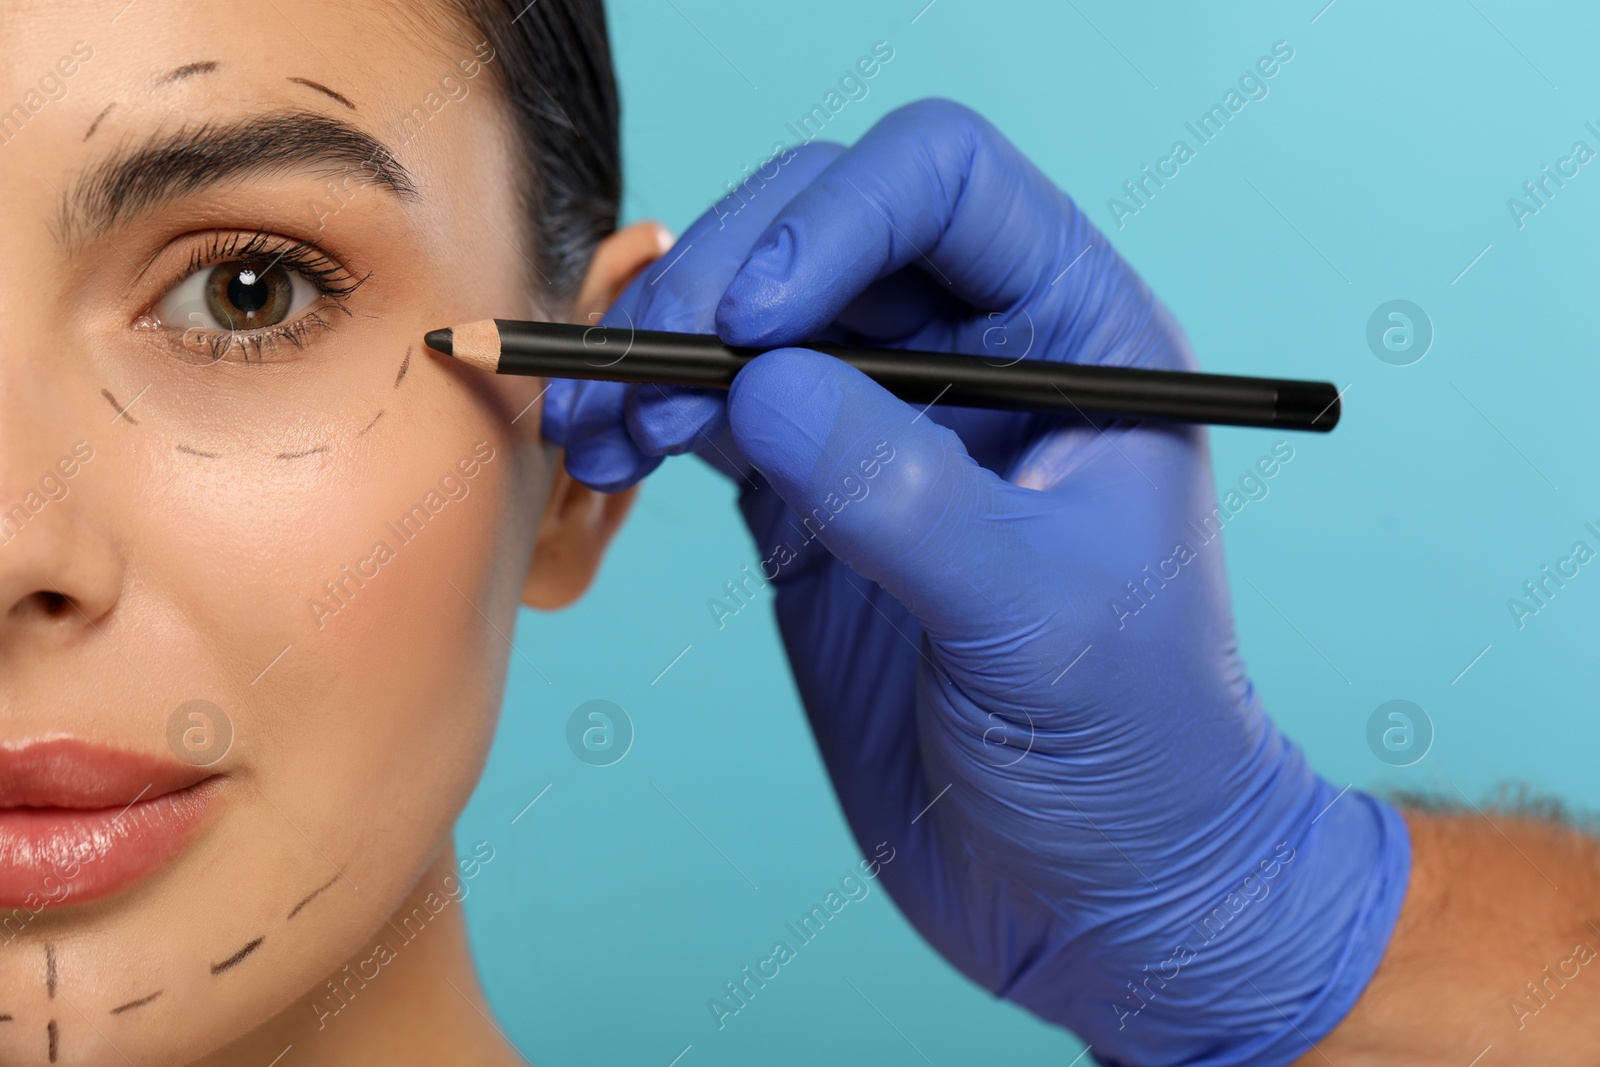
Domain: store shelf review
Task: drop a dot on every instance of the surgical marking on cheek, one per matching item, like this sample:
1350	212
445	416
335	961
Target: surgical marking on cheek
118	407
371	424
325	91
50	970
141	1002
303	455
405	365
189	70
313	894
237	958
186	450
95	125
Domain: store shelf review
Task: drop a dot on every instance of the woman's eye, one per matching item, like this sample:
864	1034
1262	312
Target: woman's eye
237	296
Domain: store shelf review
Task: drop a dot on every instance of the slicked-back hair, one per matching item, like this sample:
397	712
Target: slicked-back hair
553	62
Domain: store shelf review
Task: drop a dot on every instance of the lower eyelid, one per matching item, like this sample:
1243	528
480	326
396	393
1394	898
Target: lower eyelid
279	343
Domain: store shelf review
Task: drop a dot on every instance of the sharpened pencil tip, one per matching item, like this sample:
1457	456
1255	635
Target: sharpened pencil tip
441	341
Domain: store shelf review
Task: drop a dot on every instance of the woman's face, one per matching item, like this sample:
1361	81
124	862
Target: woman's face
260	551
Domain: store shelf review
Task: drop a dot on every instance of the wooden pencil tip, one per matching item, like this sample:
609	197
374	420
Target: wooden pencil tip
477	343
441	341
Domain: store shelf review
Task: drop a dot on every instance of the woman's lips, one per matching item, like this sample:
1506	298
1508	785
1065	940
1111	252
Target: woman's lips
80	821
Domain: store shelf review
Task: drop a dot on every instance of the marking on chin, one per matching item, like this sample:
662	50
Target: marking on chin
312	896
132	1004
237	958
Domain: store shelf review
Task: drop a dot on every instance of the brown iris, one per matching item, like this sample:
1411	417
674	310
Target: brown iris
249	295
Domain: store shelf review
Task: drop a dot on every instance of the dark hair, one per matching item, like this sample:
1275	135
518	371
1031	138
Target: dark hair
553	62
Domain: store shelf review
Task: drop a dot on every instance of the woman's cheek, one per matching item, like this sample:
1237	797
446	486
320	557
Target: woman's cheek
400	620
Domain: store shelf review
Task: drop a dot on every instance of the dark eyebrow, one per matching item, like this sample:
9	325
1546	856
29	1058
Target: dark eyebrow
181	163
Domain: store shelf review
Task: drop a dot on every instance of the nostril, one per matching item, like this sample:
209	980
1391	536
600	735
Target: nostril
45	603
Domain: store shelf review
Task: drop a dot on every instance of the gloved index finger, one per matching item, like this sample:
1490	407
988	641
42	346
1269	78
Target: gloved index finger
933	185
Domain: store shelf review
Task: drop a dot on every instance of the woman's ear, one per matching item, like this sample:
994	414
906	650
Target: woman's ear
617	261
579	522
577	527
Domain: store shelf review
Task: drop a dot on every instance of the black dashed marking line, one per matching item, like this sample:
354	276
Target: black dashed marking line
186	450
189	70
95	125
317	891
107	394
371	424
141	1002
237	958
405	365
325	91
303	455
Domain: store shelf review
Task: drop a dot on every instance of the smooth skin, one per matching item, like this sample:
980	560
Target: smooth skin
183	559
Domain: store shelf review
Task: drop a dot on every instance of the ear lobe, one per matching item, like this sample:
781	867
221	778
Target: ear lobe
576	530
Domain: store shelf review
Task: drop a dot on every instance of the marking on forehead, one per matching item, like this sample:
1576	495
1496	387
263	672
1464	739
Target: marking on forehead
371	424
303	455
186	450
325	91
317	891
188	70
405	365
95	125
141	1002
237	958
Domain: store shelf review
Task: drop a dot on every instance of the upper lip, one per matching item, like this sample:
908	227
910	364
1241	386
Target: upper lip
65	772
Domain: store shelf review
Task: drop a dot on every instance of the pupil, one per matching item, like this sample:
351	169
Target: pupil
248	293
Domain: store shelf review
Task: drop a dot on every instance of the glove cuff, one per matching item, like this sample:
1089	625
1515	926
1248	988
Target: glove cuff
1365	940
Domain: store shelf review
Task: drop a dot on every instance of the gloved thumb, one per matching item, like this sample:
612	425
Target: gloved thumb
896	496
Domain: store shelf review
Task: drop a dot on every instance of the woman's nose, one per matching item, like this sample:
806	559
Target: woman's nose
60	574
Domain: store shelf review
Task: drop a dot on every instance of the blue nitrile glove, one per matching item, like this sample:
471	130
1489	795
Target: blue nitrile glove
1012	633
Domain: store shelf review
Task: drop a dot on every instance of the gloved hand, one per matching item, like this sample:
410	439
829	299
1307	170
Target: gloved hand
1012	633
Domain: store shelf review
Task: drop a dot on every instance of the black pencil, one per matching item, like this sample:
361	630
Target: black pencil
562	350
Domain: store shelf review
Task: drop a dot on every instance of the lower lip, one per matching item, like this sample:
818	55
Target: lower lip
60	855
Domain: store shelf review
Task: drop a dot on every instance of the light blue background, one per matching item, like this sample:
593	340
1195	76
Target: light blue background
1378	568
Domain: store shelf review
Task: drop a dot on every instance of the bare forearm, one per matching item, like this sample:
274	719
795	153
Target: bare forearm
1495	960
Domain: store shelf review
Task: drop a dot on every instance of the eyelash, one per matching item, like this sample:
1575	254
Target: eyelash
332	280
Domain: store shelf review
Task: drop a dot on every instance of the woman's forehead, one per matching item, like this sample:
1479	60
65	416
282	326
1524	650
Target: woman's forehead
92	64
109	107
